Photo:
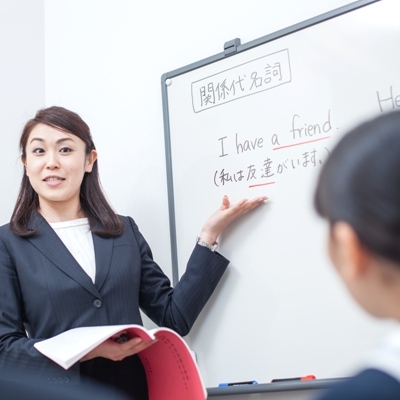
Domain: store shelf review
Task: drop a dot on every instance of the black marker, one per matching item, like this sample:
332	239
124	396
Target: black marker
122	338
238	383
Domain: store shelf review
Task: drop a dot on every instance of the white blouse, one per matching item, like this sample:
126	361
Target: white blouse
77	237
386	357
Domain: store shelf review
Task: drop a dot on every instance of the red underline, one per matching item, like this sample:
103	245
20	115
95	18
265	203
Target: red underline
262	184
298	144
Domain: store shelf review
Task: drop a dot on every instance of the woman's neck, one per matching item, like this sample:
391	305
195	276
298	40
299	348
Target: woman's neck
60	213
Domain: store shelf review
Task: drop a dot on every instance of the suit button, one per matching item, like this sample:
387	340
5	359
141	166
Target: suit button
97	303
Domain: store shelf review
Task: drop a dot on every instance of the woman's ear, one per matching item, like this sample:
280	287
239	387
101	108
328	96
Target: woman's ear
23	162
90	160
348	254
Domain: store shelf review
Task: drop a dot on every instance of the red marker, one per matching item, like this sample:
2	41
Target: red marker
300	378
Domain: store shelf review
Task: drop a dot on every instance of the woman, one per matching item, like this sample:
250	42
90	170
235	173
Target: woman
68	260
358	192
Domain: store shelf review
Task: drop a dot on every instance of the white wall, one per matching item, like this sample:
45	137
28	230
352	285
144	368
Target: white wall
104	59
22	89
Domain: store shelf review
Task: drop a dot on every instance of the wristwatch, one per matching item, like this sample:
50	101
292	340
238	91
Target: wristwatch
212	247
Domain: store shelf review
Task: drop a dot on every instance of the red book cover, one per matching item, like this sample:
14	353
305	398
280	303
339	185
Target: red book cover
171	370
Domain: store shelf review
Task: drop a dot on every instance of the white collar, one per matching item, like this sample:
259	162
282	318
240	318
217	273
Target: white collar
386	357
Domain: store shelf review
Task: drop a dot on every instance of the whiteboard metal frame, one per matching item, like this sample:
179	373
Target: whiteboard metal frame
229	52
317	384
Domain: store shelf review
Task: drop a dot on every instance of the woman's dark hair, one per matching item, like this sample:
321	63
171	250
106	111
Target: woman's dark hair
102	219
360	184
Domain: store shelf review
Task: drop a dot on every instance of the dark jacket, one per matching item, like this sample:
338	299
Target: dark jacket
370	384
44	291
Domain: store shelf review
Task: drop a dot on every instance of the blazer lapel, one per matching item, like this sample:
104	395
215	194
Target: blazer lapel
51	246
103	252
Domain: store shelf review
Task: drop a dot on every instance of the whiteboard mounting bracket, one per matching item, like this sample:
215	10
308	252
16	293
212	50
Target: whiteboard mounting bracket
231	46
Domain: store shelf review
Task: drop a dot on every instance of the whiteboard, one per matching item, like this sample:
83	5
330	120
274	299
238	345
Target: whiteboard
262	122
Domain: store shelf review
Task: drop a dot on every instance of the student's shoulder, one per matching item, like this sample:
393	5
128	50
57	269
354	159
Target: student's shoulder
370	384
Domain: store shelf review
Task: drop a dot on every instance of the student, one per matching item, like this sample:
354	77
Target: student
68	260
358	192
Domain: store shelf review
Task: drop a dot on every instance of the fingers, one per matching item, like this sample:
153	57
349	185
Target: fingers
246	205
225	215
257	201
138	346
144	345
133	342
119	351
135	345
225	203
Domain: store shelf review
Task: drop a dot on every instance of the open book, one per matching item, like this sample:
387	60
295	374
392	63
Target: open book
171	370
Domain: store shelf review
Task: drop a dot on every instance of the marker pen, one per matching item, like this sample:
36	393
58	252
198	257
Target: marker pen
238	383
122	338
300	378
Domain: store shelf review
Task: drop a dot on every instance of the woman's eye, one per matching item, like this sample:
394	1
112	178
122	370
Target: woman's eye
65	150
38	150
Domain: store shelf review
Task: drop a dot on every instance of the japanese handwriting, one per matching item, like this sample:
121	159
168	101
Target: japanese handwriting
249	78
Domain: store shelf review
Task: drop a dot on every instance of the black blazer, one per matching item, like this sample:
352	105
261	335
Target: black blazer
370	384
44	291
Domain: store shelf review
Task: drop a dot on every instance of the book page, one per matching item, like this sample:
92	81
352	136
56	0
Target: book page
70	346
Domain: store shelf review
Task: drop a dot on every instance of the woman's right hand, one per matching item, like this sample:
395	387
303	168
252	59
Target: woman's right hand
115	351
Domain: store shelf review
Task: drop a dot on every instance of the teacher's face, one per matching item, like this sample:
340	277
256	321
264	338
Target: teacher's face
55	163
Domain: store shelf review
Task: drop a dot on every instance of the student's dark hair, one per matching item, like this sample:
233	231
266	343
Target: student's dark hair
360	184
102	219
